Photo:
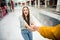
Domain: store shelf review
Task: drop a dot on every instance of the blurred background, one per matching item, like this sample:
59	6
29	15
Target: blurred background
45	12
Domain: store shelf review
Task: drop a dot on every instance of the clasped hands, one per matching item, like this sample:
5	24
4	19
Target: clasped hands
33	28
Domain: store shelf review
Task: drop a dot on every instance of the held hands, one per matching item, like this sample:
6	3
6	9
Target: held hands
33	28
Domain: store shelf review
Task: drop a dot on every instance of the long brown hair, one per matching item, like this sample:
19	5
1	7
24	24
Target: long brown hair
28	16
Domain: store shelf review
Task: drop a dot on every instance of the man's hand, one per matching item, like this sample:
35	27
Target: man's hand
32	27
36	28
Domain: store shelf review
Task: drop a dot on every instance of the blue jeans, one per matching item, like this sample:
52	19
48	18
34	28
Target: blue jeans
27	34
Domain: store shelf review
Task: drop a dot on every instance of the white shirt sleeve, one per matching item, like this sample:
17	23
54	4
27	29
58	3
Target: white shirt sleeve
31	20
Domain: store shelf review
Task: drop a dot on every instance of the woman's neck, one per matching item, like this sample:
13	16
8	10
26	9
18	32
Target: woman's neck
26	18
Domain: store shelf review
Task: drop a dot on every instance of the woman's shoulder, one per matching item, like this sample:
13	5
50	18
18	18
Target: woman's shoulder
20	17
31	17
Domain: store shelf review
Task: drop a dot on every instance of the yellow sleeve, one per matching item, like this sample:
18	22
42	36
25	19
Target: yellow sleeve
57	31
46	32
52	32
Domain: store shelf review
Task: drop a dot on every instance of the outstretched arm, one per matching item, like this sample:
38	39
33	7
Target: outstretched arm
45	31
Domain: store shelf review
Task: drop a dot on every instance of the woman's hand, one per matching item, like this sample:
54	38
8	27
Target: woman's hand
32	27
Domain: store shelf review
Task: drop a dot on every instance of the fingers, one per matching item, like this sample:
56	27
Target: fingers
31	29
34	28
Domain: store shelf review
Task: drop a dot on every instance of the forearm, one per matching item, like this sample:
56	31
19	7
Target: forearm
46	32
27	26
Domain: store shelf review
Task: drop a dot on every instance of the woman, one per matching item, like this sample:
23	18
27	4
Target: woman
52	32
25	22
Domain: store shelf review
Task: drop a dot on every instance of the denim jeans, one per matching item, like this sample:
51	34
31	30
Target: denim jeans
27	34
